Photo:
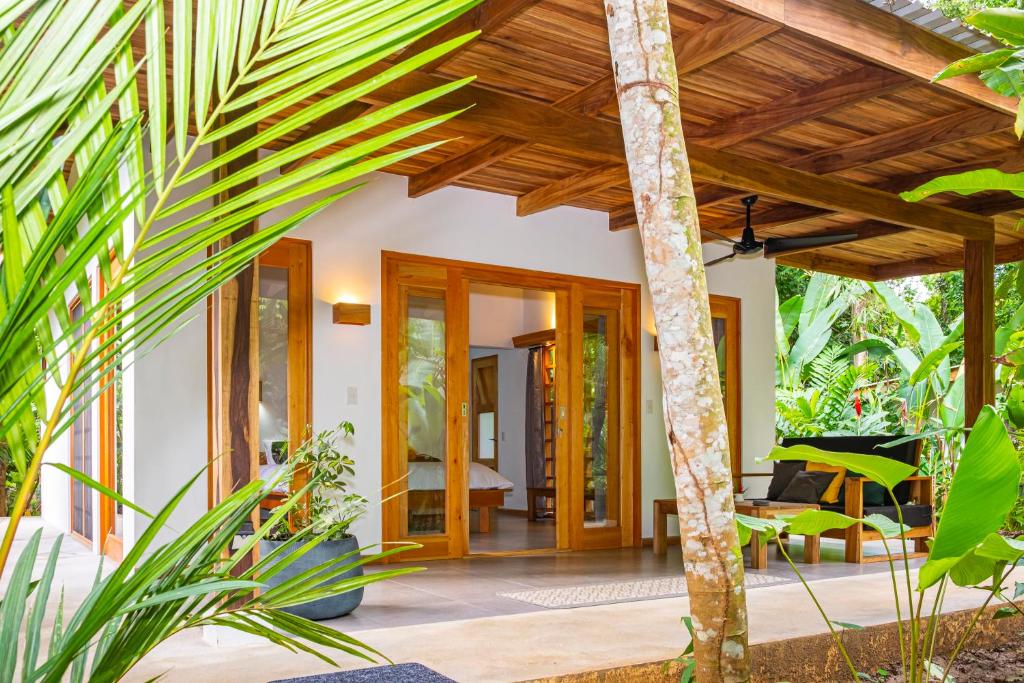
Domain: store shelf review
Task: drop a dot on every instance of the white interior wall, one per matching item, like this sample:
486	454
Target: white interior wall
496	315
169	407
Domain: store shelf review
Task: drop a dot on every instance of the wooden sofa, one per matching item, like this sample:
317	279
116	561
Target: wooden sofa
861	497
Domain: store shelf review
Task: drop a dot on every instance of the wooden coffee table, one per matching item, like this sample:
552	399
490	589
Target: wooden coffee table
759	549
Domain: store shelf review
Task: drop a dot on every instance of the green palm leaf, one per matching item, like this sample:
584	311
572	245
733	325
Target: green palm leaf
234	64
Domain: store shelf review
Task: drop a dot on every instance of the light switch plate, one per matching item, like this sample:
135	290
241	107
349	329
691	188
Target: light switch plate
353	396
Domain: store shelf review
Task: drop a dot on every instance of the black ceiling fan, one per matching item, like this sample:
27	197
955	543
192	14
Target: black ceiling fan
749	245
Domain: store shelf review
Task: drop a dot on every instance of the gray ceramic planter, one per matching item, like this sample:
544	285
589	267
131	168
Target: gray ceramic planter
325	608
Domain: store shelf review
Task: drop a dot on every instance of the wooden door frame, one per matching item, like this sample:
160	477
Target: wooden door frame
729	309
568	289
474	410
111	544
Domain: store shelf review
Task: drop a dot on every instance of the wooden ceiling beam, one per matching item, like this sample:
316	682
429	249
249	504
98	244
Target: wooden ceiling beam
877	36
826	264
565	189
449	171
725	168
944	263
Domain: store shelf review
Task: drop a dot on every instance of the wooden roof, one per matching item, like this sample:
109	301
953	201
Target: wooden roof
823	107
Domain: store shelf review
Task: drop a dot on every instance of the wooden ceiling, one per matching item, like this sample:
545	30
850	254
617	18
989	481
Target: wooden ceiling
822	107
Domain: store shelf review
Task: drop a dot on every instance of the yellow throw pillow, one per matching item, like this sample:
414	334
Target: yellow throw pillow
831	494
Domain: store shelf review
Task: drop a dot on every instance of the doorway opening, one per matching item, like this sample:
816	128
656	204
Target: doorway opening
512	482
510	409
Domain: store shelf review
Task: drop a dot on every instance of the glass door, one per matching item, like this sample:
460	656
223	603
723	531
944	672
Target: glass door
425	412
603	495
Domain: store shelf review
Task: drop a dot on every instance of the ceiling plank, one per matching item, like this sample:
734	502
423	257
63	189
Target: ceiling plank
449	171
803	105
560	191
725	168
716	39
877	36
956	127
486	17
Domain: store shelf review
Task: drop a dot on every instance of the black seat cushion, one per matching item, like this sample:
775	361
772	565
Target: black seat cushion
782	473
807	487
913	515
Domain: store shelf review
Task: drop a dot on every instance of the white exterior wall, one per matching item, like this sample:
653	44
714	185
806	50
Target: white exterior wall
169	422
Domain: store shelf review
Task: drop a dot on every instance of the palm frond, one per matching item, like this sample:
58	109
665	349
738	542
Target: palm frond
92	189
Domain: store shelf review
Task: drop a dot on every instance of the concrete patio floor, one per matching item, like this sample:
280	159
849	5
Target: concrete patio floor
451	619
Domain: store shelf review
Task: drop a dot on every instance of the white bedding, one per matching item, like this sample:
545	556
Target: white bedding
267	473
423	476
429	476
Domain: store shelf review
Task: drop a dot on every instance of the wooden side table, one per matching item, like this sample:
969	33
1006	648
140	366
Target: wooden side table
759	549
662	509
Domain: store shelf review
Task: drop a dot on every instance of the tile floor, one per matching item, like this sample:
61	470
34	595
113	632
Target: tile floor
451	590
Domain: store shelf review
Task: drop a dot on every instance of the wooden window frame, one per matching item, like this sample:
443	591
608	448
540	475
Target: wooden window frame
75	302
296	255
730	309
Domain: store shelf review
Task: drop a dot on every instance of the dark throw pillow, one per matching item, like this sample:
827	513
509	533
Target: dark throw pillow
807	487
874	495
782	474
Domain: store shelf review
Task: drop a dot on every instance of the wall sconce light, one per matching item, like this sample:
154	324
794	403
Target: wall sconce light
655	342
351	314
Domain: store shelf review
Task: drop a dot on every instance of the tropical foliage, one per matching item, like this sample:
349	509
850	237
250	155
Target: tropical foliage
91	190
139	142
191	582
967	549
331	508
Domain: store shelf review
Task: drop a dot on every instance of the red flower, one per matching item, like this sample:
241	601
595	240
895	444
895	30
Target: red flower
857	406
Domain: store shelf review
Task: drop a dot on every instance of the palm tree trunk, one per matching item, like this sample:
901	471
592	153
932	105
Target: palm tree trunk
640	38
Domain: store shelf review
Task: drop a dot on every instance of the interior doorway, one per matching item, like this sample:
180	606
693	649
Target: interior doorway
466	471
512	419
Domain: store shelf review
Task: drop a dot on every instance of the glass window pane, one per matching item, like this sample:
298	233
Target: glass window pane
718	331
600	456
273	389
423	412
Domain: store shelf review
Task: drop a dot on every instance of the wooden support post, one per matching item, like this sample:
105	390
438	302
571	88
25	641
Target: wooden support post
979	326
234	357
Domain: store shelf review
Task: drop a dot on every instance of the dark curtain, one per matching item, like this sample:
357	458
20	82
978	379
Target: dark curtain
535	419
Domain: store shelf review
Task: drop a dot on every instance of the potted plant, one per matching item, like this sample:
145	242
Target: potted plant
331	511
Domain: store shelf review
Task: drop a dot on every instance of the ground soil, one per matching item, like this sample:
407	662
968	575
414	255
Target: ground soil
999	664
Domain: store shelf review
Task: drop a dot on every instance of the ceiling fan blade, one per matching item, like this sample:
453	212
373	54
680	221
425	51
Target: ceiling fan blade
719	236
775	246
720	260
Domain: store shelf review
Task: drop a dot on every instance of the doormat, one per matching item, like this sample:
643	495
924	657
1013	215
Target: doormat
565	597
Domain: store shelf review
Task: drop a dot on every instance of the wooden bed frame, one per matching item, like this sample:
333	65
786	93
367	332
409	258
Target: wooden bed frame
483	500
